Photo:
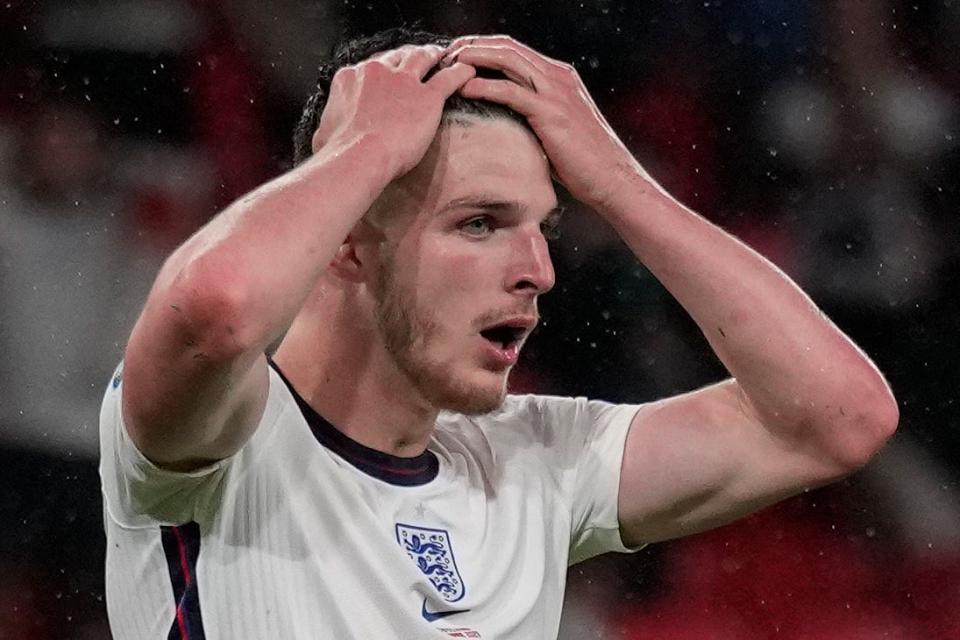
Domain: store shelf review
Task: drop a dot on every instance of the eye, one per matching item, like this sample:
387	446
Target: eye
550	228
479	226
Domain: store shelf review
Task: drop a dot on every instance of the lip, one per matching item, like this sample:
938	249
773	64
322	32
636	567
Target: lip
499	357
526	322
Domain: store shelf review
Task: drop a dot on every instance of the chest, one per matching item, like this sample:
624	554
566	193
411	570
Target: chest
482	543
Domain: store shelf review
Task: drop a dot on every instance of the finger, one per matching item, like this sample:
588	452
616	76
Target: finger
447	81
512	63
536	58
420	60
390	58
505	92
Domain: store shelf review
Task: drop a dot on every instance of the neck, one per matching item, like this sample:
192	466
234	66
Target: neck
346	375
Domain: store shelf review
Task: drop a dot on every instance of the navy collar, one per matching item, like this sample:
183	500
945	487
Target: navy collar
403	472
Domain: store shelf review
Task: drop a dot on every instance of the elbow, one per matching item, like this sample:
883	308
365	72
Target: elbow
212	314
874	421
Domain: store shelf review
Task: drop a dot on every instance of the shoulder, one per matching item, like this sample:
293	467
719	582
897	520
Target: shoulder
548	411
282	408
521	418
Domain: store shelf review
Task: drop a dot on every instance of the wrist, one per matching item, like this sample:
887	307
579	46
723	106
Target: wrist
627	183
364	154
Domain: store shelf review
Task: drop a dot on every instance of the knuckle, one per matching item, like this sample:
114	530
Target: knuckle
375	67
344	73
569	72
343	76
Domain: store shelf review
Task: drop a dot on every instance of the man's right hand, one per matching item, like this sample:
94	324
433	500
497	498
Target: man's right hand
386	97
195	377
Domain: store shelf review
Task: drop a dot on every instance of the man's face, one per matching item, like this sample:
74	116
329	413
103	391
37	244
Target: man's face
464	260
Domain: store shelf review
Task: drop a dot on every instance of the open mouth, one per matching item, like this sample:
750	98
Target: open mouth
504	336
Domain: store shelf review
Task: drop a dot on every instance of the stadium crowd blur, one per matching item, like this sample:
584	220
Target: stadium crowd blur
823	134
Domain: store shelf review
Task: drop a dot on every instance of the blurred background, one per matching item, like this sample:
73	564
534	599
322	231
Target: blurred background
824	134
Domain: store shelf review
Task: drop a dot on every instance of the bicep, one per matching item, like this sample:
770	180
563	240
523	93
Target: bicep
702	459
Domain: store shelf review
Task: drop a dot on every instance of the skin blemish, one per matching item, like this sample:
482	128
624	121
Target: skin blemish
720	329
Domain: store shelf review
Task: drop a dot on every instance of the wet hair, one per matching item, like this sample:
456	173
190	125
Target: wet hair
356	50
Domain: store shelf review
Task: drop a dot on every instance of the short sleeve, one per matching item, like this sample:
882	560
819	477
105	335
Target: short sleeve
138	493
590	436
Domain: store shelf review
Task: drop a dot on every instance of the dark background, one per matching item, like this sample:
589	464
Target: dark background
823	134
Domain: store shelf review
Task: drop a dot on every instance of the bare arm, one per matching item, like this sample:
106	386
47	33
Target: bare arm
805	405
195	377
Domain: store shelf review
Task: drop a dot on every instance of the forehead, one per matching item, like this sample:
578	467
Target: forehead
498	159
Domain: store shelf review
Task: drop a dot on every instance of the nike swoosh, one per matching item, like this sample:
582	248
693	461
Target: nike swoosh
436	615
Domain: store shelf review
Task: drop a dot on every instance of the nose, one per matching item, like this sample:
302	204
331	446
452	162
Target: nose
531	269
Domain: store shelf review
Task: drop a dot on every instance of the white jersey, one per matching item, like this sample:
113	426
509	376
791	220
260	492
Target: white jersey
307	534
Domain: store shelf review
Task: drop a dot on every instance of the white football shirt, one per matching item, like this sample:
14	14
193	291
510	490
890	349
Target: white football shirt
306	534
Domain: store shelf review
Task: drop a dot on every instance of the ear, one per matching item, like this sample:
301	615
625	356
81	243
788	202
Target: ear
354	260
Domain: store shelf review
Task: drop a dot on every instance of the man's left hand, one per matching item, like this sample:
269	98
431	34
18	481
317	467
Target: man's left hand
586	155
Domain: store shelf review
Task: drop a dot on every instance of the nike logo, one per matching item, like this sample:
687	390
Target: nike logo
430	616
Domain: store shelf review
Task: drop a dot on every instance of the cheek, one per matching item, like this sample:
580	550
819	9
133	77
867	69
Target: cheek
464	269
454	286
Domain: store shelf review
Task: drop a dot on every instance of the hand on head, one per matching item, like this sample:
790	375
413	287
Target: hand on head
585	152
388	98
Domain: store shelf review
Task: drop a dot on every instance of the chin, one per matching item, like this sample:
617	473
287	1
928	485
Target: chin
470	397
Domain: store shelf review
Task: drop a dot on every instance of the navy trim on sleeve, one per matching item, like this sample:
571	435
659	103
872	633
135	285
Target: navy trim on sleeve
181	546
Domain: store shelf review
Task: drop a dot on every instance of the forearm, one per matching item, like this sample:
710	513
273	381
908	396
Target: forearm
794	365
261	257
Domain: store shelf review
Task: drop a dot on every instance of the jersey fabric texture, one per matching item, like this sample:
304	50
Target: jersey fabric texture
305	533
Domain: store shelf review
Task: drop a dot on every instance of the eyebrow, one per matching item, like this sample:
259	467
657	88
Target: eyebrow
492	203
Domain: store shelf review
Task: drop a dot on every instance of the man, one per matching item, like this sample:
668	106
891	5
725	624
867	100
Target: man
374	480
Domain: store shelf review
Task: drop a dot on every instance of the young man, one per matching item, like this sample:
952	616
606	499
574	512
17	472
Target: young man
374	480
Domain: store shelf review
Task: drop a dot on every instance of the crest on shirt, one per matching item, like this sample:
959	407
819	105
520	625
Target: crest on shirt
432	552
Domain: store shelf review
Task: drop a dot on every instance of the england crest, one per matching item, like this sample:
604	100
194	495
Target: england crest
430	549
